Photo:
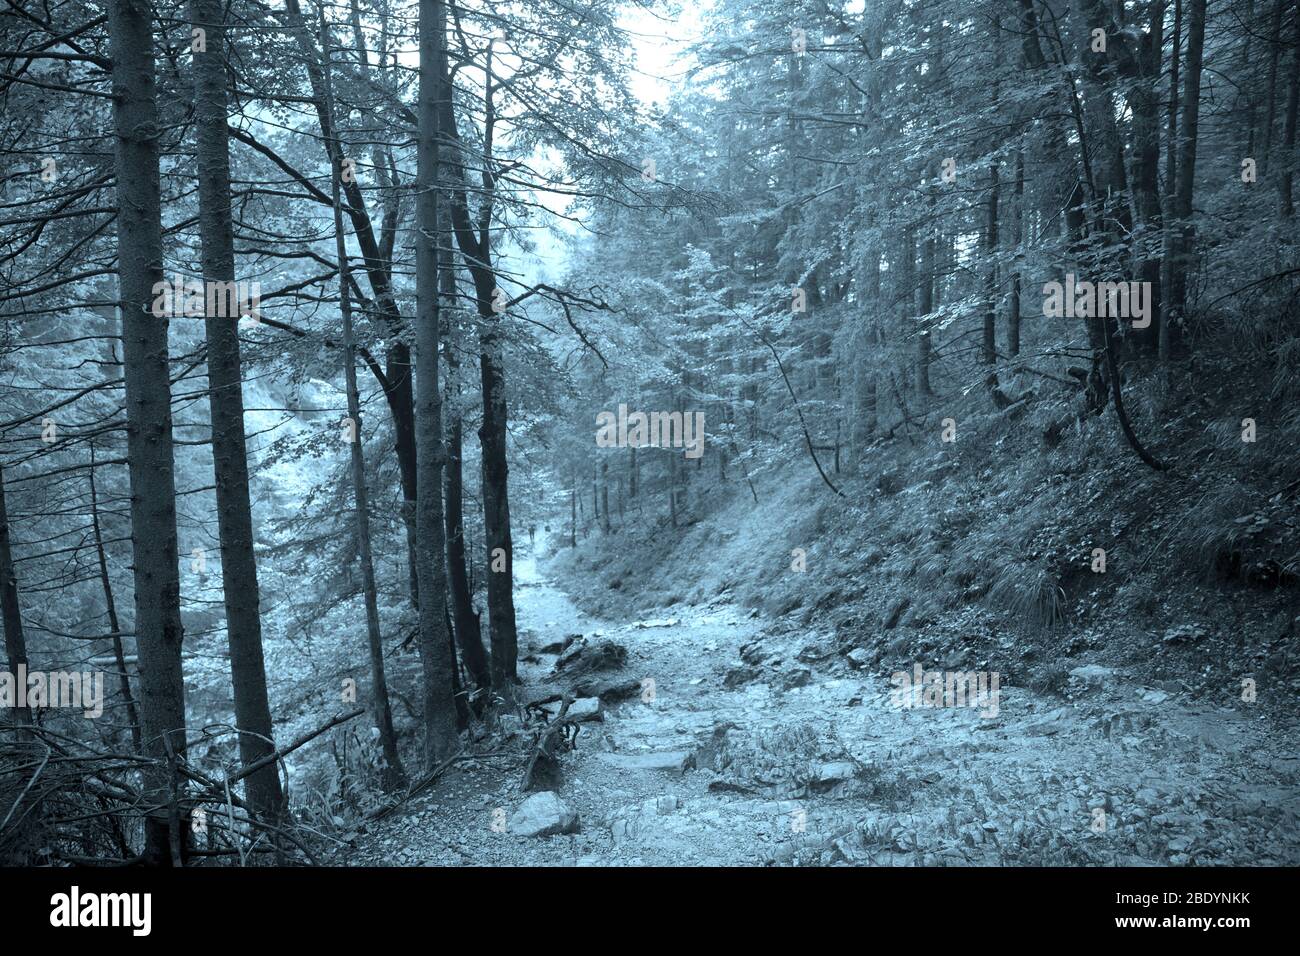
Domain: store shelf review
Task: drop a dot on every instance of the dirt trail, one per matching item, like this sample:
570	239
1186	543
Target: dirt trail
806	760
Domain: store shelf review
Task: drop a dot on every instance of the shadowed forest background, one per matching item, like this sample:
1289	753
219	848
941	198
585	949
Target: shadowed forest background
362	580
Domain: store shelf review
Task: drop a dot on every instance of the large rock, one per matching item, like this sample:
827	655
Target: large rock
543	814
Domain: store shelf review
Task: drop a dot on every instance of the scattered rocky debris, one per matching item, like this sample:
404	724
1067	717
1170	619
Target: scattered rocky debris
1122	723
749	775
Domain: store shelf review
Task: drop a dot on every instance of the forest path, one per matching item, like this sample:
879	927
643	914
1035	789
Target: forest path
801	759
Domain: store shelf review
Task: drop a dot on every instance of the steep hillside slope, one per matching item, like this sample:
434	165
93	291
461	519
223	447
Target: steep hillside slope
985	551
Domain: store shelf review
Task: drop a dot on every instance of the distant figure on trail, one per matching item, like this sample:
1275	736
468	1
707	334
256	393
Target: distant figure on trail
531	529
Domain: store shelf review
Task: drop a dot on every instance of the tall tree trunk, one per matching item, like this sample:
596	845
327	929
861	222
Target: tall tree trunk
436	656
225	394
928	285
149	426
905	314
1167	318
1144	101
475	243
989	345
496	519
1274	55
393	776
1292	107
1244	101
1017	238
110	606
15	640
633	474
672	487
604	497
988	342
468	634
1180	260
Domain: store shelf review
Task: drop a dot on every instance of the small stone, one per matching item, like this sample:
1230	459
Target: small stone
895	613
666	805
829	774
813	652
511	725
799	677
560	646
859	657
609	691
585	708
1092	674
1148	797
737	676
